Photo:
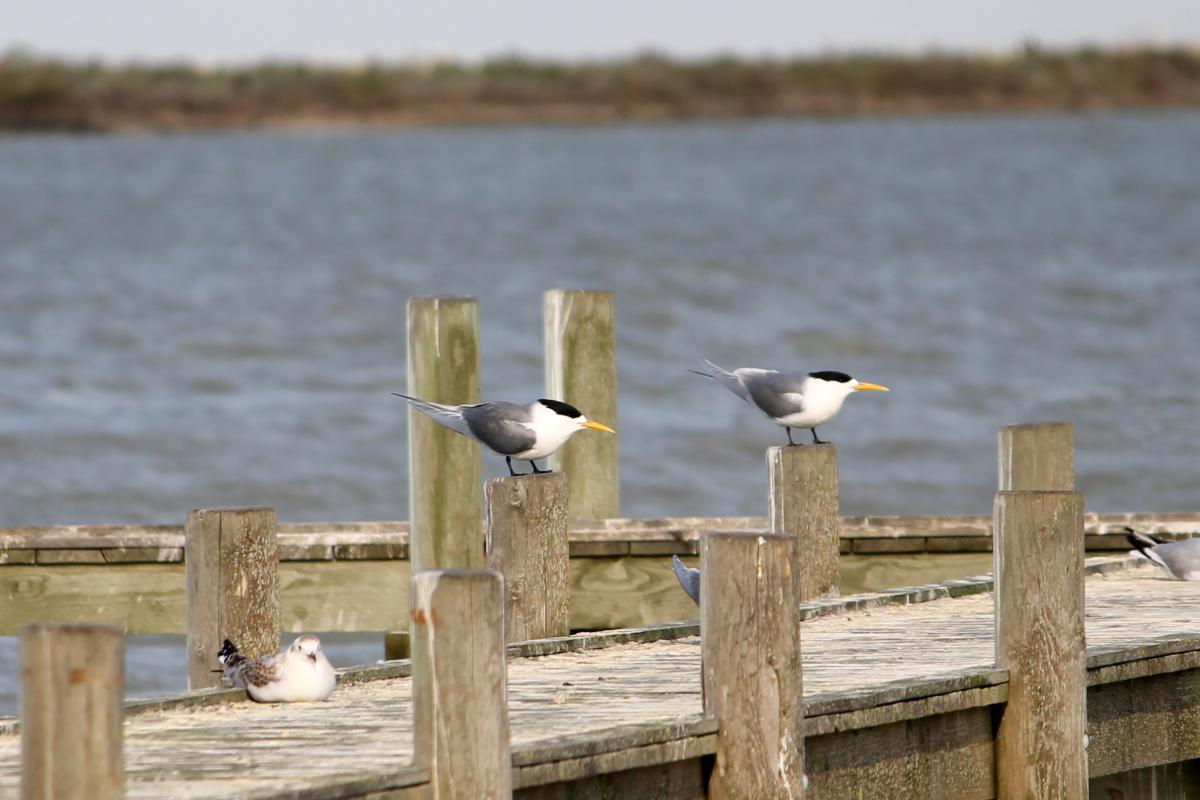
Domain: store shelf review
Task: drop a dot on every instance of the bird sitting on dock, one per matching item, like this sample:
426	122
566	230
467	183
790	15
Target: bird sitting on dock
301	673
791	399
688	577
1180	560
524	432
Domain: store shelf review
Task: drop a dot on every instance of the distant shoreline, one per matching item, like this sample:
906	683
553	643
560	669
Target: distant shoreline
40	95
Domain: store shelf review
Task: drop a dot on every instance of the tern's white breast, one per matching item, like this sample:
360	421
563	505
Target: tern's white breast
552	431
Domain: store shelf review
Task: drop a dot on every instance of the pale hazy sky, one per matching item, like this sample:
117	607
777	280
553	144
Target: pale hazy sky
248	30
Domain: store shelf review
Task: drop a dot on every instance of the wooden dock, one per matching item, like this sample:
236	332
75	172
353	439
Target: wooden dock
916	678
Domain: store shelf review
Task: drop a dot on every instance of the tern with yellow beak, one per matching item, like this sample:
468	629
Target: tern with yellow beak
791	399
526	433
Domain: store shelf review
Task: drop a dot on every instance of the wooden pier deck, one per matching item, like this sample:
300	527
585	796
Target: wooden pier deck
578	715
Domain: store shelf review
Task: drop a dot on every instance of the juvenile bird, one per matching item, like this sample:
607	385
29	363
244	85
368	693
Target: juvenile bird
791	399
299	674
527	433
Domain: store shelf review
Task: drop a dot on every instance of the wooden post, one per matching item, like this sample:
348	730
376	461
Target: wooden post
460	703
581	369
525	520
750	649
445	469
72	680
232	562
1040	641
1037	456
803	502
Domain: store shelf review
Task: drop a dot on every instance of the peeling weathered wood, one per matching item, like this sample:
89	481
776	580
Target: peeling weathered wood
445	469
803	502
581	369
1040	641
232	587
752	680
72	679
460	716
1038	456
525	524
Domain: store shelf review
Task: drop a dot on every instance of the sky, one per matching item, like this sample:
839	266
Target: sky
228	31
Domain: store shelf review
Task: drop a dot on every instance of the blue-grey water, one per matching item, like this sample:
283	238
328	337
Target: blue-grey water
218	319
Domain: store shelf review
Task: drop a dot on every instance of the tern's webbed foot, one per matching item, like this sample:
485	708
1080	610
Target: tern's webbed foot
537	471
815	439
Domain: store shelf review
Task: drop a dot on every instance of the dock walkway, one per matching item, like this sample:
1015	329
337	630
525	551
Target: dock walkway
563	708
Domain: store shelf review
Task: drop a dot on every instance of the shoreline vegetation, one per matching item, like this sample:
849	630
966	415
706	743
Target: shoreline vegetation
45	94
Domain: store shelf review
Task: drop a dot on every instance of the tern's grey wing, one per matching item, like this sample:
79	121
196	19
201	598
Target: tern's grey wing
442	414
507	428
726	378
688	577
1182	558
257	671
778	394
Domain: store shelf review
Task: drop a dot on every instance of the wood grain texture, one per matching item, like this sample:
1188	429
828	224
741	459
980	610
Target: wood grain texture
72	679
1040	640
1037	456
525	527
232	568
460	696
751	664
803	502
445	469
581	369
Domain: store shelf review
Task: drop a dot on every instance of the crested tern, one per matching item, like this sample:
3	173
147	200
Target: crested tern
688	577
791	399
299	674
1180	560
524	432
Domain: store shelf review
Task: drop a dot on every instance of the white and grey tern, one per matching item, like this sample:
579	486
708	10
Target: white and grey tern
791	399
524	432
1180	560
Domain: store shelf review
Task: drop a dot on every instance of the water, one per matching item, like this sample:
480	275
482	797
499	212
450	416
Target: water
218	319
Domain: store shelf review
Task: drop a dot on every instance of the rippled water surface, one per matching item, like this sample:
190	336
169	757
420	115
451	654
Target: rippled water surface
219	319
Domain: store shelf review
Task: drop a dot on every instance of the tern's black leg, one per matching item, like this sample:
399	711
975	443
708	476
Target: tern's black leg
815	439
537	471
789	433
511	471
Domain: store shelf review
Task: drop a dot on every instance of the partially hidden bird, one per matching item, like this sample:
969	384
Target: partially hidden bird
688	577
791	399
524	432
300	673
1180	560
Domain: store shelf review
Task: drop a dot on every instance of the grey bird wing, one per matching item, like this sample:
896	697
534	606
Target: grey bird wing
506	428
778	394
447	415
688	577
1181	558
726	378
255	672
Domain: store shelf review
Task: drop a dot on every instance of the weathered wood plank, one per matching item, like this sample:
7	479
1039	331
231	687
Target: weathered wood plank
802	499
445	469
581	369
751	665
72	678
525	524
232	587
1040	641
460	716
1037	456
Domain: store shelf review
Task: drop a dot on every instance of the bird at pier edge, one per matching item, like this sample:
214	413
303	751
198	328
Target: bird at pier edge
791	399
524	432
301	673
1180	560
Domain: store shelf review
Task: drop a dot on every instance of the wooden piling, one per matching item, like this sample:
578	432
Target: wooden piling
232	564
445	469
525	524
460	703
803	502
581	369
1040	641
1038	456
72	681
752	681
